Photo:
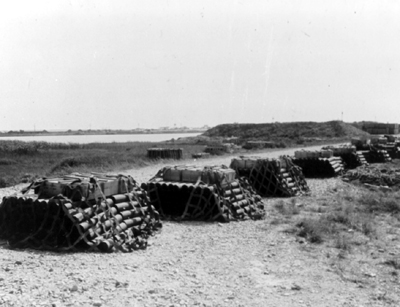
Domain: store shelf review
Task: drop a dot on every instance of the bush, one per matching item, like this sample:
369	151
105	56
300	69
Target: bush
314	229
342	242
380	202
287	208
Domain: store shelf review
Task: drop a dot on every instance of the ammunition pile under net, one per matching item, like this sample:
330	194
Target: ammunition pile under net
117	222
373	176
377	156
275	177
392	149
165	153
208	194
318	163
350	157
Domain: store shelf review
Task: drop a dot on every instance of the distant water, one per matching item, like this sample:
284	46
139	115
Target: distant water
107	138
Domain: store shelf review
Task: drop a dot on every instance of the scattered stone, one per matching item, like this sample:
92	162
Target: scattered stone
74	288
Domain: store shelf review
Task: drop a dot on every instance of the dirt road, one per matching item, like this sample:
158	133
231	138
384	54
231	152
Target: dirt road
250	263
145	173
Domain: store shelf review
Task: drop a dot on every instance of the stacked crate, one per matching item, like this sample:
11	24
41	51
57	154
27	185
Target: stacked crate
381	128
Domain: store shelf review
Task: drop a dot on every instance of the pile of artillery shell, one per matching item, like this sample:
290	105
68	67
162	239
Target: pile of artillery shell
377	156
350	157
118	222
165	153
373	176
391	148
353	160
320	167
221	198
275	177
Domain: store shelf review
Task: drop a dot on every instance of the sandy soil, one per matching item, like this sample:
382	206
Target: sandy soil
250	263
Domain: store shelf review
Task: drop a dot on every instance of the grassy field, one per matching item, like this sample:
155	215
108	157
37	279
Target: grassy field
349	222
24	161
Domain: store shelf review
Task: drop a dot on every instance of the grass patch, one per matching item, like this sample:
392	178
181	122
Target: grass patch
349	211
287	208
22	160
342	242
379	201
315	229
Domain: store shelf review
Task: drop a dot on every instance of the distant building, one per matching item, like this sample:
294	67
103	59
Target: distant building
381	128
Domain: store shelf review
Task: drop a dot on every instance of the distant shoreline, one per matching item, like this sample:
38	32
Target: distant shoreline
97	132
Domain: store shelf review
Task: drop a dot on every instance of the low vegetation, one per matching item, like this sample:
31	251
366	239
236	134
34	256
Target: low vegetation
344	217
24	161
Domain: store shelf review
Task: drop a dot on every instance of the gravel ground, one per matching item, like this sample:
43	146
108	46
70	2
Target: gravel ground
249	263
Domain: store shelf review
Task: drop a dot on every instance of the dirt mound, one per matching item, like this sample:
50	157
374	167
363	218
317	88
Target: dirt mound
293	131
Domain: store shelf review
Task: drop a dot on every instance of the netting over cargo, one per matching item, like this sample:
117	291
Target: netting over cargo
318	163
122	221
203	193
271	177
350	157
376	156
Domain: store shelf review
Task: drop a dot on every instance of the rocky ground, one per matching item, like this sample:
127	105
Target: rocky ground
249	263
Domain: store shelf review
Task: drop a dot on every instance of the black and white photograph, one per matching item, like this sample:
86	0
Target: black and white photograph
199	153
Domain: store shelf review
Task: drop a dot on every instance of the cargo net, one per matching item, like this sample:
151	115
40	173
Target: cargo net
373	176
165	153
275	177
117	222
350	157
318	164
375	155
392	149
207	194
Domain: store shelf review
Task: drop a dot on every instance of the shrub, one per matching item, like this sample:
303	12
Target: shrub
380	202
342	242
287	208
314	229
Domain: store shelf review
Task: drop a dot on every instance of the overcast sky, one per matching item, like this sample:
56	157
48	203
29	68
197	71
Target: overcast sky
127	64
